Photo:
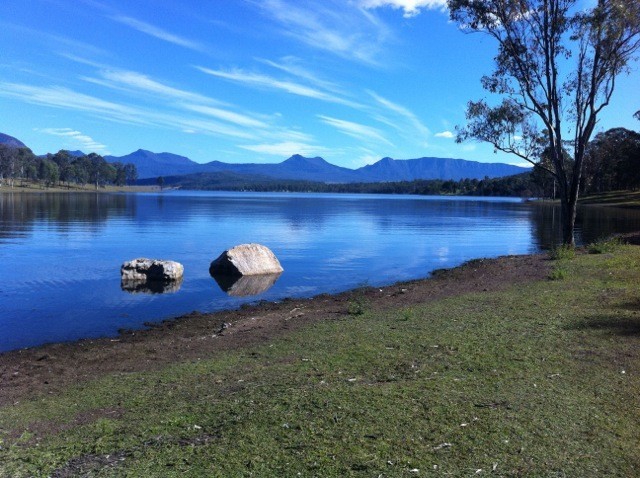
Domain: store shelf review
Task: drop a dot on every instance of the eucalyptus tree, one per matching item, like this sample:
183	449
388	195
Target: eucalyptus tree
131	173
64	161
9	163
100	171
556	70
49	172
13	162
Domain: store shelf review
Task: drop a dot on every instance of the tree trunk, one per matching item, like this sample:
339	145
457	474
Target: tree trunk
568	209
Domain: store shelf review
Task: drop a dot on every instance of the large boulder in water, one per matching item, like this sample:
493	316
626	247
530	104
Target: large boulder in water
246	260
143	269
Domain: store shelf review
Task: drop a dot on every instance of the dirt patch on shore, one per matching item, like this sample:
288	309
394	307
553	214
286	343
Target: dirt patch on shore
27	373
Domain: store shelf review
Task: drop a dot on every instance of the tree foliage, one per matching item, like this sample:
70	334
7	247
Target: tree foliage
612	161
556	70
61	167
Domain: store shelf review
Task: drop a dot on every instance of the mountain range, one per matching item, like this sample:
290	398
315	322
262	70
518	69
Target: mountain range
10	141
297	167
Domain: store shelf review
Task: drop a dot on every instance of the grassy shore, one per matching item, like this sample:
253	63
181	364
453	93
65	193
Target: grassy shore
625	199
32	187
541	378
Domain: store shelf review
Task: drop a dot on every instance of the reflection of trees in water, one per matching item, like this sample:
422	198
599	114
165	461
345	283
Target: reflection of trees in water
592	223
546	225
597	221
19	212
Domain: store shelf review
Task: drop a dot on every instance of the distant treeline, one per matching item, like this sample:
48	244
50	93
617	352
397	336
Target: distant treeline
518	185
62	168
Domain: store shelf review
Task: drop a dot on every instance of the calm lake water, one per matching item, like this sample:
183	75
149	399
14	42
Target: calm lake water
61	253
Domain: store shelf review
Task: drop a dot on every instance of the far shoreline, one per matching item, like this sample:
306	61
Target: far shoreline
32	189
616	199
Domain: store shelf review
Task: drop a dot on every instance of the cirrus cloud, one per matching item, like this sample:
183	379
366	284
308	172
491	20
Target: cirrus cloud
76	139
285	148
411	7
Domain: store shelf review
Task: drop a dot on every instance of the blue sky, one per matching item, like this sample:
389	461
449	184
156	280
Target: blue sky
249	80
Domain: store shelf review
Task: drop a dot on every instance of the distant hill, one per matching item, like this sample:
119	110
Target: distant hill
300	168
295	168
10	141
433	168
152	165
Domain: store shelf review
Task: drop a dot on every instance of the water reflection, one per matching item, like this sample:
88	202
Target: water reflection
68	247
19	211
245	286
151	286
592	223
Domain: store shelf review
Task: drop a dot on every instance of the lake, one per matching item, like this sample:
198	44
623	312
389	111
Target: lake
61	253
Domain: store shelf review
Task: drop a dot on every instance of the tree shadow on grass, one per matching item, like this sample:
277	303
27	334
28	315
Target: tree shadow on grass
633	305
611	323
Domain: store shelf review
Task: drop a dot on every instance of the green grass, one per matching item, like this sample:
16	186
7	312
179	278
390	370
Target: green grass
606	245
628	199
541	380
559	272
562	253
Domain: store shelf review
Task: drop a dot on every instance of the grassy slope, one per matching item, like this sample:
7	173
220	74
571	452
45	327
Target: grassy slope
627	199
541	380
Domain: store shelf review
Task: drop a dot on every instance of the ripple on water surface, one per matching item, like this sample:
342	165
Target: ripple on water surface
61	253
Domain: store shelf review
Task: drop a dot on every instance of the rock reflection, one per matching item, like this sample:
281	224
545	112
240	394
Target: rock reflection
150	287
244	286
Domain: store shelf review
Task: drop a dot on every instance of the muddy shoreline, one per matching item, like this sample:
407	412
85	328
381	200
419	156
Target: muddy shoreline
28	373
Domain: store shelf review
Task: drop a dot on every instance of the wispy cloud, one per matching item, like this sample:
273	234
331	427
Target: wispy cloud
258	80
225	115
355	130
286	149
77	139
410	118
338	27
81	60
186	100
59	97
293	66
157	32
445	134
52	40
410	7
132	80
363	157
